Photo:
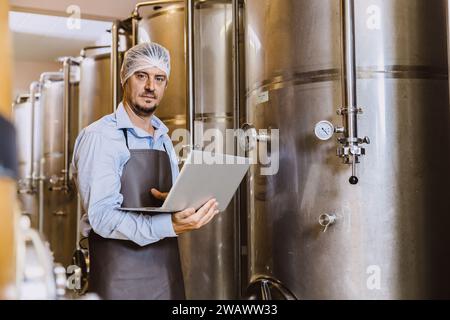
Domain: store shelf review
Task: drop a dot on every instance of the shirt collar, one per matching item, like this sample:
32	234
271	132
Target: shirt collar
123	122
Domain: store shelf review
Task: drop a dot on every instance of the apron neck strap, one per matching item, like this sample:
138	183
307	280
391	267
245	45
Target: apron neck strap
125	134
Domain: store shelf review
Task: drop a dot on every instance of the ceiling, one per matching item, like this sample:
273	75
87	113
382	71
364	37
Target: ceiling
90	9
38	37
40	28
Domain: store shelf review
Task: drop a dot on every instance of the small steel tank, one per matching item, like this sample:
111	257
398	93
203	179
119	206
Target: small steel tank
23	118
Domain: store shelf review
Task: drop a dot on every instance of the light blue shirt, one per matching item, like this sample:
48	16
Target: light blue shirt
99	157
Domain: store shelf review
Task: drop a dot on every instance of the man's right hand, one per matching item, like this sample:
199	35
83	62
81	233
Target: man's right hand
188	220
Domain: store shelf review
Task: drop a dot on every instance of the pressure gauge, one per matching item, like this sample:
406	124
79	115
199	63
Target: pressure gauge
324	130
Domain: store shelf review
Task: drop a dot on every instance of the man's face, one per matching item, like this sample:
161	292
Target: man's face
145	89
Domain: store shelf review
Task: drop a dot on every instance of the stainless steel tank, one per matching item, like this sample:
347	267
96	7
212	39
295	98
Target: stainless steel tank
95	87
59	197
217	243
210	255
22	114
164	24
389	237
95	96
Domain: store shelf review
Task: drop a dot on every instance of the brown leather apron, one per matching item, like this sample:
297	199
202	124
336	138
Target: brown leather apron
121	269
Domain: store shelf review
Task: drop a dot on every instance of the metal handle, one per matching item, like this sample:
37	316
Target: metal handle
85	49
51	76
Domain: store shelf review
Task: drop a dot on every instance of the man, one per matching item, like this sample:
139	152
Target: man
117	160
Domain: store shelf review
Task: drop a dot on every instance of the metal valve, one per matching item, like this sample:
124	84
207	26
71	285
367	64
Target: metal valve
57	183
248	137
326	220
350	149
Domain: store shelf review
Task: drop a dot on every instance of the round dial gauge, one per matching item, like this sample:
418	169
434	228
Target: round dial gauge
324	130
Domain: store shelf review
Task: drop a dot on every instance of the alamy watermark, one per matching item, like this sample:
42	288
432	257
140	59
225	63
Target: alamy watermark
257	147
74	19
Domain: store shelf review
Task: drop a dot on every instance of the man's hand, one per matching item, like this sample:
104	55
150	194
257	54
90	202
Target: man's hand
158	194
188	220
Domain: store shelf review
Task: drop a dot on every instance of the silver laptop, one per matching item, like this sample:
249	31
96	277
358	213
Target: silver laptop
204	176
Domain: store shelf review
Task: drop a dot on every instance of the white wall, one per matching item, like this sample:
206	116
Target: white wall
25	72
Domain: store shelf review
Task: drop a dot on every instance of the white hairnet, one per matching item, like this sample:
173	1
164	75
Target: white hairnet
143	56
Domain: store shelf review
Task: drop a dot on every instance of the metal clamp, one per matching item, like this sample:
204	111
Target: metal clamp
346	111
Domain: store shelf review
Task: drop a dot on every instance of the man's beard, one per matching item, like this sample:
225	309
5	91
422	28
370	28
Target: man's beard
143	111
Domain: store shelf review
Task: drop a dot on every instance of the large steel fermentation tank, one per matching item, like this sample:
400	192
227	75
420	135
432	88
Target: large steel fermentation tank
216	243
390	237
164	24
60	129
209	255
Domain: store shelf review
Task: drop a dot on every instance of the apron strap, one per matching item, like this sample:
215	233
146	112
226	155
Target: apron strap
125	133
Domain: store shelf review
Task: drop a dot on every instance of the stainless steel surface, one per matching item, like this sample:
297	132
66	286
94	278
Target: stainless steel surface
165	25
327	220
136	16
218	242
389	240
23	119
209	256
58	204
44	78
95	88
